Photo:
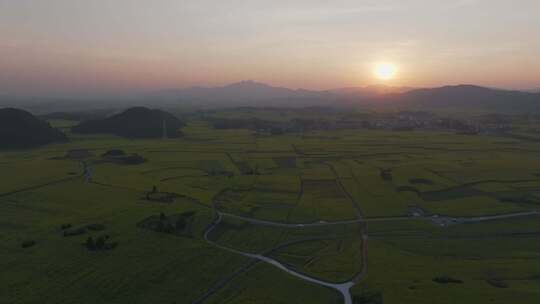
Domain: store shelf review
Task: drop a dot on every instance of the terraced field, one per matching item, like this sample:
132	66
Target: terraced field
389	213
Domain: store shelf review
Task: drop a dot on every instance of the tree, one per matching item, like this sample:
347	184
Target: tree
168	228
100	243
180	223
160	226
90	244
276	131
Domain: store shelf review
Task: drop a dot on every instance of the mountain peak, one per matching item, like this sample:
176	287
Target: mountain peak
248	84
243	92
466	86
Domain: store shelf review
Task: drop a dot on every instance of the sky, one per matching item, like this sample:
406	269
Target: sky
100	47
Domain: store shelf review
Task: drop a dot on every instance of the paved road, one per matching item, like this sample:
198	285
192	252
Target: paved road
320	223
436	219
448	220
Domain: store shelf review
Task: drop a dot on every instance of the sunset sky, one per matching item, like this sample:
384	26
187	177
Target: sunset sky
70	47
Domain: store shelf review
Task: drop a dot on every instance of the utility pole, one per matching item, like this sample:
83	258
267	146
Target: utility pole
87	172
164	129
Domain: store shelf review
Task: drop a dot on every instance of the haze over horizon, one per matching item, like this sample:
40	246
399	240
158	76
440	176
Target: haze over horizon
98	48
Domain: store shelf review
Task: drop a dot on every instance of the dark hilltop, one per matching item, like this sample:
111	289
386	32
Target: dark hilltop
138	122
20	129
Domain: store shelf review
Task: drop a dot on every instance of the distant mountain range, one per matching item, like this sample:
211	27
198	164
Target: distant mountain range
465	97
459	97
252	91
369	91
244	93
256	94
241	91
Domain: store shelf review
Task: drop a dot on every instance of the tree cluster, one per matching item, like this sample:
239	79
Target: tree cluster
100	243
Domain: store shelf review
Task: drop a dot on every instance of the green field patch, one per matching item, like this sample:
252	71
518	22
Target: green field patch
450	193
527	186
266	284
292	178
332	260
374	196
420	181
317	171
63	124
68	269
405	276
420	178
322	188
161	197
407	189
476	205
492	187
517	226
322	200
262	205
446	280
471	246
523	199
278	183
271	212
285	162
23	174
241	235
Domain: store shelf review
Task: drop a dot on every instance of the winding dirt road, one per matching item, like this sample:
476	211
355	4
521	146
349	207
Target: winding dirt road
342	288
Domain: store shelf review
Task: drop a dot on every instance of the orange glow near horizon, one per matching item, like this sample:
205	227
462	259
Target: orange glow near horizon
73	47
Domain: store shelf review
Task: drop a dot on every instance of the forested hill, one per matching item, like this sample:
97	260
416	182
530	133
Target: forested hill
20	129
138	122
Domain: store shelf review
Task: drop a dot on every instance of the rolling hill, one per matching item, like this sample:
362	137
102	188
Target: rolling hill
465	97
138	122
459	97
20	129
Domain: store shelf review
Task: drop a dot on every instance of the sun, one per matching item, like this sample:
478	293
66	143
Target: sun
385	71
